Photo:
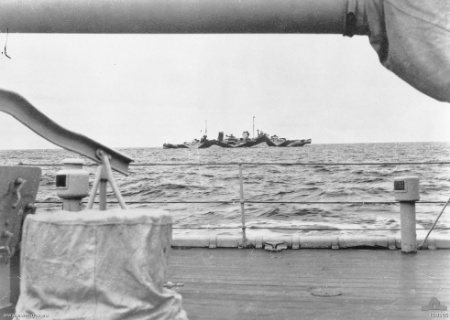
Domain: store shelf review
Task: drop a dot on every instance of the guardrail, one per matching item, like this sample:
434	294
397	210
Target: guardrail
169	164
242	201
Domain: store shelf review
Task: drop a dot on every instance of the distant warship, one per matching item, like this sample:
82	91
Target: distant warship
230	141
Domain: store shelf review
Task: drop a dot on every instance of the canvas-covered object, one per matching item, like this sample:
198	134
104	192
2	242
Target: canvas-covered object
412	39
98	265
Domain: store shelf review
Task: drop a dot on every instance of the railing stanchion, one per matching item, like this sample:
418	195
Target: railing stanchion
406	190
242	201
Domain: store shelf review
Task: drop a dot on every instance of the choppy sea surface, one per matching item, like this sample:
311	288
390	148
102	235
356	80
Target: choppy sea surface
349	188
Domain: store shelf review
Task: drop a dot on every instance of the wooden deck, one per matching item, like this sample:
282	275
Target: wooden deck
360	284
308	284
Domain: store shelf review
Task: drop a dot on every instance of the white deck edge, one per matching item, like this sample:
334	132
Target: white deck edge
304	242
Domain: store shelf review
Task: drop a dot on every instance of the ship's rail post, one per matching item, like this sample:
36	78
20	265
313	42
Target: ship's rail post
72	184
407	193
242	202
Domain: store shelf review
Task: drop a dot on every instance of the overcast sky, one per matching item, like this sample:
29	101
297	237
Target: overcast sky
144	90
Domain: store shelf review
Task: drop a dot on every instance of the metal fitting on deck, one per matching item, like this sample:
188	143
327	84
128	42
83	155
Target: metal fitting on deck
72	184
406	191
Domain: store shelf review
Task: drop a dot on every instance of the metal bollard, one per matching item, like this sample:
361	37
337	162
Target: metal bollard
406	191
72	184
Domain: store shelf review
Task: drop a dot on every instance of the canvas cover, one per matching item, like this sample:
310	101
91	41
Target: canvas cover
98	265
412	39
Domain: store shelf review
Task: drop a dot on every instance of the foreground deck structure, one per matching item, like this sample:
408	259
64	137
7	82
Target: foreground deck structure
310	284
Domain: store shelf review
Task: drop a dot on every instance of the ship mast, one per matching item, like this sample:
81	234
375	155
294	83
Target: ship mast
253	127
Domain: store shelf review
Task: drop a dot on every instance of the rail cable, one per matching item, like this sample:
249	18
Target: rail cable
259	202
149	164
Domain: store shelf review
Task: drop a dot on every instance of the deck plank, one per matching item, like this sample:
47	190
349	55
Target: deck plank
256	284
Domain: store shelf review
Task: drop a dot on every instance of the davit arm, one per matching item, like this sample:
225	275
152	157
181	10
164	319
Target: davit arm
27	114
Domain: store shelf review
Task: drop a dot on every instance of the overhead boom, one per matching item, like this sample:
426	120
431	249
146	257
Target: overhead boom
173	16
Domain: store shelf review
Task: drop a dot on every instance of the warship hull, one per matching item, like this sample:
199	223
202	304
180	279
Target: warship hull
247	143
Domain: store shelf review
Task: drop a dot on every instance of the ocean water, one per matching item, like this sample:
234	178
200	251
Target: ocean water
209	179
